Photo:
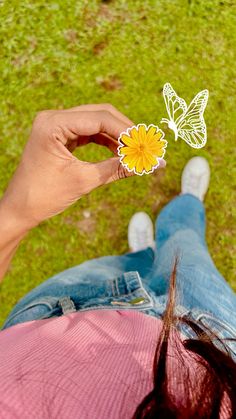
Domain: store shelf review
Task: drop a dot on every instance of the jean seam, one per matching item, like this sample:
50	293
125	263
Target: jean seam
29	306
112	288
117	286
127	278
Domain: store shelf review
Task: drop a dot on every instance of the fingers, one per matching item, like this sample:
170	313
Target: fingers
102	107
99	123
100	139
105	140
110	170
84	123
106	171
162	163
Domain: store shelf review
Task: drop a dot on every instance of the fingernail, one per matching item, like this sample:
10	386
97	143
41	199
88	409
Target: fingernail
162	162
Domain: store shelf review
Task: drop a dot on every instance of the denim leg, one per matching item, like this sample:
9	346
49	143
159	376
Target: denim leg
183	212
92	272
111	266
180	231
105	267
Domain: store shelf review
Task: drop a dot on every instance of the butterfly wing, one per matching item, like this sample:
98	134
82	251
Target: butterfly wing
191	127
175	105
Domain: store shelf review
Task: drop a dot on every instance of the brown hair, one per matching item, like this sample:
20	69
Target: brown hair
217	366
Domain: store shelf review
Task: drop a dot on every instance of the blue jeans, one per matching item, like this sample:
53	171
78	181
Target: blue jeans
140	280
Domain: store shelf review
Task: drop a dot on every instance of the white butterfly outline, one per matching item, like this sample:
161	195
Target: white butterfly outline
127	132
191	116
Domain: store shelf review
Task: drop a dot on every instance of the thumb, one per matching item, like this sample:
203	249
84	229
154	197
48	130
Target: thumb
110	170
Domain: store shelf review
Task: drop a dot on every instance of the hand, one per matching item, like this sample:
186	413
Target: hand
49	177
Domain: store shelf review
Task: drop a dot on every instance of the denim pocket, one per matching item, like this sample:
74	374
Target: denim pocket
221	328
123	292
40	308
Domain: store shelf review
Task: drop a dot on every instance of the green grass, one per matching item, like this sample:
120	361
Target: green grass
59	54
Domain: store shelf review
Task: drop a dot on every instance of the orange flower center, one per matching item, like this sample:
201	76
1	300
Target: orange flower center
141	147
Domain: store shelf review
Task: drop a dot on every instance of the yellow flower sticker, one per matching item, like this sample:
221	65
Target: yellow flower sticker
141	147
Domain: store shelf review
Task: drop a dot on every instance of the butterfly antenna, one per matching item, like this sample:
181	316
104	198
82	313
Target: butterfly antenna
165	120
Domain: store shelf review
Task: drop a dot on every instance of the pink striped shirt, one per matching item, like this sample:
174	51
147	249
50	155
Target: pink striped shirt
95	364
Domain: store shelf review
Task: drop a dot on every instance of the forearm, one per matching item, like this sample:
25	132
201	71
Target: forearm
12	231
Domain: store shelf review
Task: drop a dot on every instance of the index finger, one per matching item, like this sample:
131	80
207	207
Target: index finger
90	123
101	107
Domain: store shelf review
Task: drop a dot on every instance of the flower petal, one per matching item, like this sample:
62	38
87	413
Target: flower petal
128	141
139	164
142	134
159	144
130	161
151	133
135	135
151	158
159	153
147	164
158	136
128	151
155	150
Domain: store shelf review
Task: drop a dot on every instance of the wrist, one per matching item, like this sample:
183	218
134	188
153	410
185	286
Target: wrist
12	231
13	228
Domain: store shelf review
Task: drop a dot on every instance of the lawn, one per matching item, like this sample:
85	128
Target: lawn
59	54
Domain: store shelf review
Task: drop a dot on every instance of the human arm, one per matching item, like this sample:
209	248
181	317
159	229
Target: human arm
49	178
12	231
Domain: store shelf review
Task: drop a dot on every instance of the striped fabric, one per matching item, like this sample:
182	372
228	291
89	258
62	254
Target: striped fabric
95	364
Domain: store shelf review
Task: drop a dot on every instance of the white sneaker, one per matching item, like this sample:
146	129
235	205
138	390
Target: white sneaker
196	177
140	232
